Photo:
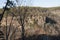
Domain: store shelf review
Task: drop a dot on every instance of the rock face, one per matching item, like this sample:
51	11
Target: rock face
37	21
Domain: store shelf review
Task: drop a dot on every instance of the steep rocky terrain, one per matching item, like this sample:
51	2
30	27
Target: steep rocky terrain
38	21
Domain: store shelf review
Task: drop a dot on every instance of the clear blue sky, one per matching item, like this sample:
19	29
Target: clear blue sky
40	3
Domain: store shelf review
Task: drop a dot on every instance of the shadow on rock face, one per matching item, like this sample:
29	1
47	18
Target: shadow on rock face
41	37
49	20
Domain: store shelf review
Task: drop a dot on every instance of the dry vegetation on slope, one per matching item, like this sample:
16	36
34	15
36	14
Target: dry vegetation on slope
38	21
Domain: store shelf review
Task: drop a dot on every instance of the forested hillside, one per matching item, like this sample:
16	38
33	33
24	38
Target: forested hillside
38	22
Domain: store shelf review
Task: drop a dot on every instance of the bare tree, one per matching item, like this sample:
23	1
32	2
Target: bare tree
8	4
7	7
23	15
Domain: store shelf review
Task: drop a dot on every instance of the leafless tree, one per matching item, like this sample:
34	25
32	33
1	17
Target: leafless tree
7	7
23	15
10	4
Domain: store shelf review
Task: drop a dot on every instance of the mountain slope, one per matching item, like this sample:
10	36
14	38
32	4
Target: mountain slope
37	21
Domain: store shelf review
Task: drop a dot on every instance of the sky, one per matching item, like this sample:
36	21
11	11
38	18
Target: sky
37	3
